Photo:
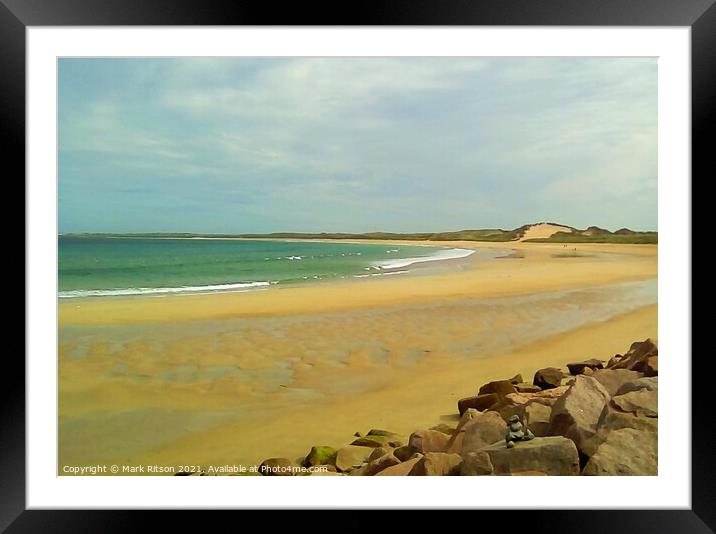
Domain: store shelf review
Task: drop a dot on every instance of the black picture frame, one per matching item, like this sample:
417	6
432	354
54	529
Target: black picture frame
699	15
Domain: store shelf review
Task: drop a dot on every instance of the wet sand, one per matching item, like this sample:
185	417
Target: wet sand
238	377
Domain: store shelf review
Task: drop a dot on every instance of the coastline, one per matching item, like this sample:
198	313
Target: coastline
272	373
535	268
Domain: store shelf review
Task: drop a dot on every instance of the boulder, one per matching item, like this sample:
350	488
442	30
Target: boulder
377	465
437	464
499	387
352	457
515	403
650	366
479	402
517	379
476	464
547	378
445	429
482	431
613	379
320	455
614	360
649	383
404	453
552	455
379	432
524	387
613	418
536	417
576	413
642	357
378	452
642	402
399	470
625	452
276	467
371	441
577	368
424	441
455	442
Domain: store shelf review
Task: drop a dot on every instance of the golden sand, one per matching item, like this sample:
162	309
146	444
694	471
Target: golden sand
537	268
238	377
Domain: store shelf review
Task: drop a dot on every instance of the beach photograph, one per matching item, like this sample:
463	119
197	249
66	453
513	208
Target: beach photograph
357	266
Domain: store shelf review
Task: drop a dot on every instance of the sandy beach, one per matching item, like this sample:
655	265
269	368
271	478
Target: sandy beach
238	377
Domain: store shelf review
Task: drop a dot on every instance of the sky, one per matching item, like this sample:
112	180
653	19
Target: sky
254	145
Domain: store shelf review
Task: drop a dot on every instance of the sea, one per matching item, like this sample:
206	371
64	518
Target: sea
116	266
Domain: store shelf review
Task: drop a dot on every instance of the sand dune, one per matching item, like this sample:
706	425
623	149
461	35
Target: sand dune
543	230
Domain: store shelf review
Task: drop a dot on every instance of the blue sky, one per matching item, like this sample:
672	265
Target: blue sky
356	144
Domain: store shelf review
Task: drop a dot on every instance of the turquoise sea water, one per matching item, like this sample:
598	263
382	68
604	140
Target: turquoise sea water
133	266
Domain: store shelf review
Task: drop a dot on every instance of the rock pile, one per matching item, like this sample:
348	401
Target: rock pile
595	418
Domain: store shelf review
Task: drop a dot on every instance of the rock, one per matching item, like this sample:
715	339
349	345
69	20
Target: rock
377	465
476	464
651	367
445	429
321	455
536	417
517	379
482	431
516	431
613	418
641	357
352	457
378	452
358	435
547	378
642	402
276	467
325	474
648	383
515	403
575	414
371	441
613	379
499	387
424	441
379	432
403	453
400	470
480	402
625	452
587	371
455	442
529	474
552	455
577	368
524	387
437	464
614	360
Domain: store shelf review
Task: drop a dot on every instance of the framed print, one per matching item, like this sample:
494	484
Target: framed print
424	250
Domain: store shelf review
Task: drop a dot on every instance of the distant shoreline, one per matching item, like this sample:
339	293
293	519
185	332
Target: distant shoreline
559	234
